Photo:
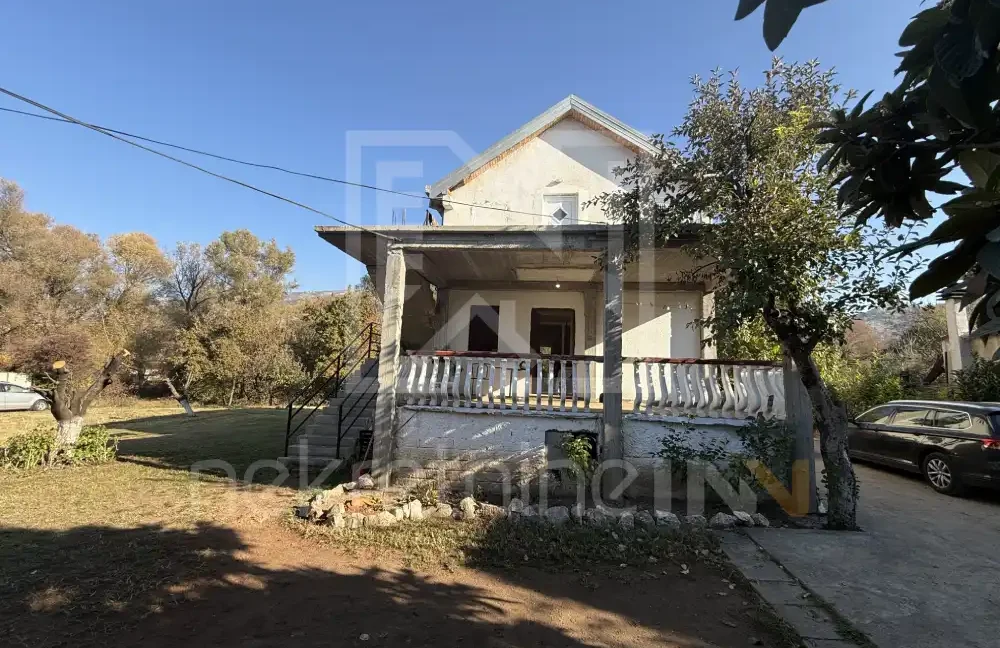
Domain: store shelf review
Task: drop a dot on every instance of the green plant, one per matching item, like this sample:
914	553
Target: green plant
426	492
29	450
861	384
37	449
978	382
579	449
761	440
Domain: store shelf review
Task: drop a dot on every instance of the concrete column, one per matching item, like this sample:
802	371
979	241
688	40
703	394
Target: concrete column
388	365
611	444
959	347
799	421
708	351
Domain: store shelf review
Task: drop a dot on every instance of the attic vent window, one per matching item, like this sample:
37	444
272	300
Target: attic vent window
559	214
561	208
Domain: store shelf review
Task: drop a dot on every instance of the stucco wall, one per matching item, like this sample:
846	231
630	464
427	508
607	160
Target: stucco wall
472	449
568	158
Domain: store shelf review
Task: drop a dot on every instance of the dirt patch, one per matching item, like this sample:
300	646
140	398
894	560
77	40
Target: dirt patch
267	586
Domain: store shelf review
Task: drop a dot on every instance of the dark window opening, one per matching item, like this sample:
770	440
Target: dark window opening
484	329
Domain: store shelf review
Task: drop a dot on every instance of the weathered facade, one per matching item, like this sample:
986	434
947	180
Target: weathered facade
502	331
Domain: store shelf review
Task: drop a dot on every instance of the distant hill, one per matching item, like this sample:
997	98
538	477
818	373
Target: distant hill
888	325
300	295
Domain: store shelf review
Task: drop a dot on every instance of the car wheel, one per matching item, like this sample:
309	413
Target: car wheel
939	471
39	406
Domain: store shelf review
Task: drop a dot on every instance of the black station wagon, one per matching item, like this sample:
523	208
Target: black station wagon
951	444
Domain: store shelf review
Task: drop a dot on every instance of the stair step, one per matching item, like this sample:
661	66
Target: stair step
314	462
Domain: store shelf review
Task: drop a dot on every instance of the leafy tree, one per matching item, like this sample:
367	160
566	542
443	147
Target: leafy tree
940	123
769	235
327	326
249	270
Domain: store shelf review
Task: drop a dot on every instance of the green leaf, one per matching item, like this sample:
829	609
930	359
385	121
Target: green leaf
747	7
975	200
969	223
924	25
955	52
858	109
980	165
779	16
989	258
826	157
943	93
947	187
944	270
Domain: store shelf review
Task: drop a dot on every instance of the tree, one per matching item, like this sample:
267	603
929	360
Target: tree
327	326
769	234
941	122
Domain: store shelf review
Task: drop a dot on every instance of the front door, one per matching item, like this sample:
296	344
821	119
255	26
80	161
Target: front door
553	332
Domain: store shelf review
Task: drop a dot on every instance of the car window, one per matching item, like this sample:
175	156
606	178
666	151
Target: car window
3	387
913	418
980	426
951	420
877	415
16	389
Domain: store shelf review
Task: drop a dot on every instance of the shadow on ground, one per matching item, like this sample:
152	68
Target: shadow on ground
155	586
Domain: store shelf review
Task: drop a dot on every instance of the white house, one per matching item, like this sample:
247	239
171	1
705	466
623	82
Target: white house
501	329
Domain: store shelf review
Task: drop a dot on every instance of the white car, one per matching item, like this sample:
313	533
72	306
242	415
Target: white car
16	397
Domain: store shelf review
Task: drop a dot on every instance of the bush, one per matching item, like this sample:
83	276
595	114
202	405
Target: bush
37	449
979	382
860	384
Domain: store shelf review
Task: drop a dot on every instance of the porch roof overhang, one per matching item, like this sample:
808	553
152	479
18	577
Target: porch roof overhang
488	256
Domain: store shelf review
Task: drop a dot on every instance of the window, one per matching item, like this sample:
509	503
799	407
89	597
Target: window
484	328
952	420
561	208
16	389
877	415
913	418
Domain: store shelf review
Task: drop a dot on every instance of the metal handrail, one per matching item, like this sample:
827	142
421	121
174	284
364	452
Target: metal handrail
341	416
345	363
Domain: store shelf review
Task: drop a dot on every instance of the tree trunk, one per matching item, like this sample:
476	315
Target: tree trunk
831	421
68	431
232	393
182	399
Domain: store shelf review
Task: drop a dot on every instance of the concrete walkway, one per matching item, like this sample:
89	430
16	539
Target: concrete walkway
925	572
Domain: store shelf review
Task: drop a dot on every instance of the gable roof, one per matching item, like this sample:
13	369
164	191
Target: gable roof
571	106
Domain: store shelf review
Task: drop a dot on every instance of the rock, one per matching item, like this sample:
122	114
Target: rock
317	508
302	511
626	521
515	506
527	514
336	521
468	508
365	482
596	517
696	521
666	519
398	513
416	510
557	515
384	519
337	508
577	512
349	486
645	520
722	521
442	511
457	514
491	511
822	507
759	519
354	520
743	518
335	492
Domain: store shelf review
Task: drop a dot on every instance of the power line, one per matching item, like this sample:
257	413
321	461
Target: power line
103	131
273	167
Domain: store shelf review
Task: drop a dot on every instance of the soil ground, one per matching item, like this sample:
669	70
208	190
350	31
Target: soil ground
139	553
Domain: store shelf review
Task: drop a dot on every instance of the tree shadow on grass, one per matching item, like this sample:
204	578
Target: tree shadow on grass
154	586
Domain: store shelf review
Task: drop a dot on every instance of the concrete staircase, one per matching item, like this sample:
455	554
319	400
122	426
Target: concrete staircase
315	447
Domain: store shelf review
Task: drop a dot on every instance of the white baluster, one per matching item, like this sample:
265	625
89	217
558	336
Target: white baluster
480	370
753	396
729	404
777	378
574	376
434	391
411	380
683	392
650	393
466	401
661	405
421	390
539	390
694	386
527	385
638	387
673	393
742	396
503	383
715	382
764	389
586	385
492	373
551	389
454	382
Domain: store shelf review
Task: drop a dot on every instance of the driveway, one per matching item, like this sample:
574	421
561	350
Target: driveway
925	572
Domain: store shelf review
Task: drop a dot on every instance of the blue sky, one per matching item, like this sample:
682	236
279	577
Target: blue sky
305	84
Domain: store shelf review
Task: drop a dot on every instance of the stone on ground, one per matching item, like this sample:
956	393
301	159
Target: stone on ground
722	521
414	510
302	511
697	521
349	486
491	511
644	519
577	512
516	505
468	508
743	518
627	521
557	515
336	521
667	519
385	518
596	517
442	510
759	519
366	482
398	513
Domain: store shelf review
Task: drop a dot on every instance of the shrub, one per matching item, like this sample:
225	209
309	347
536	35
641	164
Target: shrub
860	384
979	382
37	449
579	449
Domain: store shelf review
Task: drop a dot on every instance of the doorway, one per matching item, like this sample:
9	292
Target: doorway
553	332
